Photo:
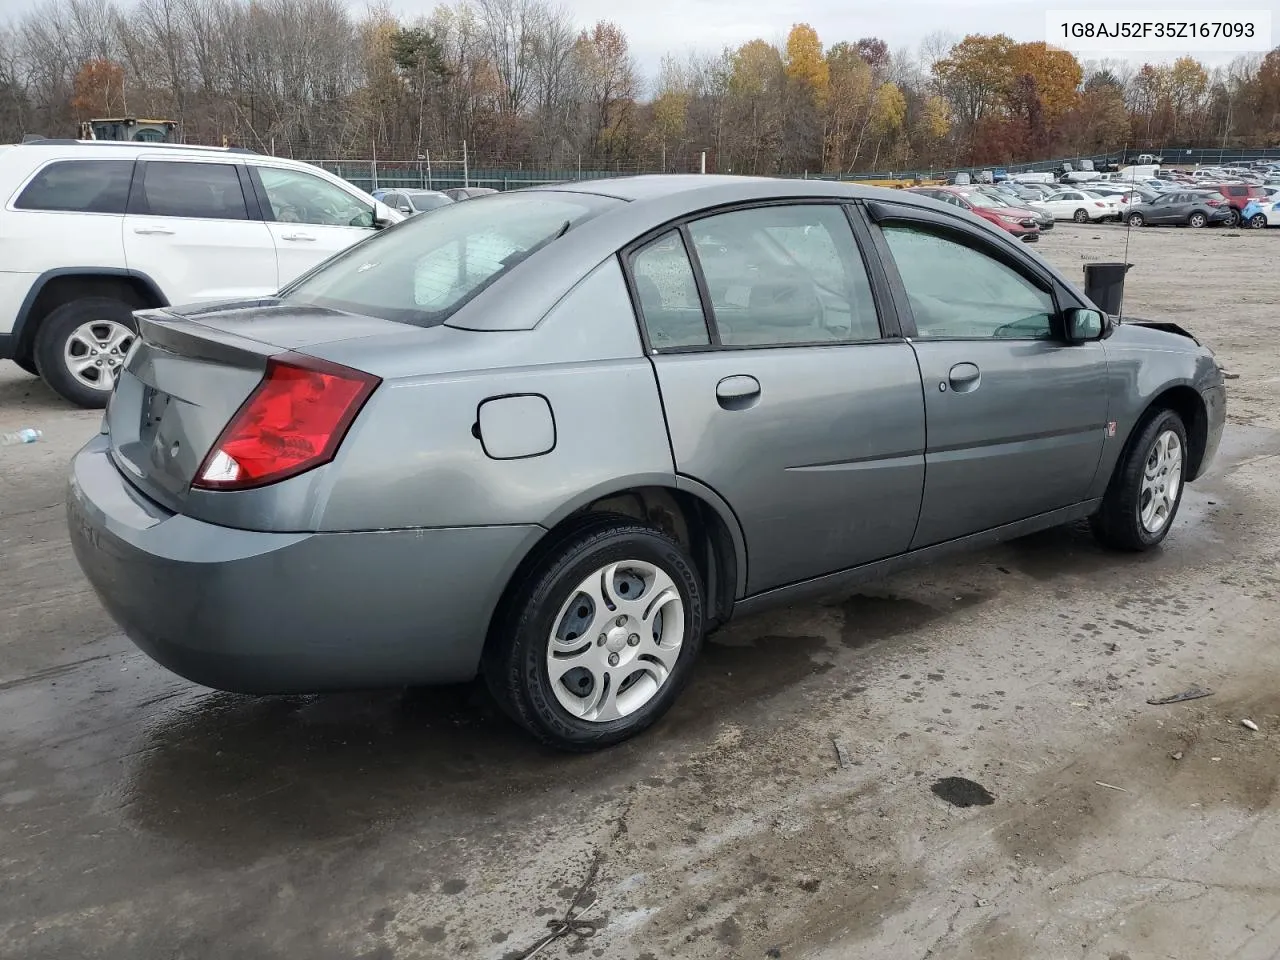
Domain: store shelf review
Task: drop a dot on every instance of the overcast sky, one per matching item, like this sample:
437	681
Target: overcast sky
657	27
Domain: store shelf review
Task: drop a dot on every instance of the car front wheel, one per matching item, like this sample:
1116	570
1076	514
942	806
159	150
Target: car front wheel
81	346
1081	216
597	641
1135	220
1146	488
1233	218
1257	221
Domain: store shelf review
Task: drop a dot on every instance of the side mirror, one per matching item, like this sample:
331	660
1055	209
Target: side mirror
384	216
1081	325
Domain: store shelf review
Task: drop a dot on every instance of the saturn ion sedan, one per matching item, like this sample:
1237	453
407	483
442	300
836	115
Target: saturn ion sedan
555	437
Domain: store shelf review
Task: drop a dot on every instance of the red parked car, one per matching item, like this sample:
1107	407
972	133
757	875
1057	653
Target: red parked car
1010	219
1238	196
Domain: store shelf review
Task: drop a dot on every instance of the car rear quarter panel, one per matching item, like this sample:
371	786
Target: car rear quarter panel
1142	364
413	457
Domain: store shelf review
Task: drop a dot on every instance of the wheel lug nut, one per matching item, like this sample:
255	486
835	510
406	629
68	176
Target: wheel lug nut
622	621
600	640
613	659
633	640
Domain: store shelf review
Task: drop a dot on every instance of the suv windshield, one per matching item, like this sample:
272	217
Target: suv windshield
986	202
425	269
422	202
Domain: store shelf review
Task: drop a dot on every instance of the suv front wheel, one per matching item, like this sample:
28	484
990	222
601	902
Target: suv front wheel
81	347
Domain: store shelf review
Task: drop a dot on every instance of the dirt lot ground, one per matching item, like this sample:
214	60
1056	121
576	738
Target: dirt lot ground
147	819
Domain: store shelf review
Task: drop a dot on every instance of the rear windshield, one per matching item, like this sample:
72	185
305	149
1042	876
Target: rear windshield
425	269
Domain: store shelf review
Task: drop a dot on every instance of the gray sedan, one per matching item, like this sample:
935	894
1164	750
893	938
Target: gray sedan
556	437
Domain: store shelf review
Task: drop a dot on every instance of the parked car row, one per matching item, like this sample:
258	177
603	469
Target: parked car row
411	202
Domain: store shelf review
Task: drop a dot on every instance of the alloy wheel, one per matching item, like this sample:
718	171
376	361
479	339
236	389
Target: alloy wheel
95	352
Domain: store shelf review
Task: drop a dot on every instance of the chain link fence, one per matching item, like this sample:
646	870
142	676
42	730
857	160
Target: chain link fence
443	174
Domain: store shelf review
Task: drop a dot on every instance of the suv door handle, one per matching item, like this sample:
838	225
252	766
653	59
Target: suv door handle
153	231
738	392
964	377
296	236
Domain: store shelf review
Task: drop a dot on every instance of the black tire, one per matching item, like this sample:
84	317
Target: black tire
1197	220
1257	221
28	364
51	342
1118	523
1081	216
1233	218
514	663
1136	220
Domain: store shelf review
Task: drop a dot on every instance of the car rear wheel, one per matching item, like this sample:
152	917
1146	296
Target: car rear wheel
597	641
1233	218
1081	216
1146	488
1257	221
81	346
1135	220
1197	220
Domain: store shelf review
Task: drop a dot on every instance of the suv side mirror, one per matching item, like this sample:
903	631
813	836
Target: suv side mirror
1081	325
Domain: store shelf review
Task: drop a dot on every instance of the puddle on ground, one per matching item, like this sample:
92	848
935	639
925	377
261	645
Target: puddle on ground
960	792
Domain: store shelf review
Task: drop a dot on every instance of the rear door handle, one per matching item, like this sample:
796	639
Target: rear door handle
153	231
737	392
964	377
297	236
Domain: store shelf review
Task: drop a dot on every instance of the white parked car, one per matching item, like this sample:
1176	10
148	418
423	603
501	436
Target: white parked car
1270	214
1082	206
91	231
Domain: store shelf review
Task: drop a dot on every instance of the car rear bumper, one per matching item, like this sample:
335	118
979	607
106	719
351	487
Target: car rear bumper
255	612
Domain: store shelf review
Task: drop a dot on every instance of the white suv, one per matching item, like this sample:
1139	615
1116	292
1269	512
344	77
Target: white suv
91	231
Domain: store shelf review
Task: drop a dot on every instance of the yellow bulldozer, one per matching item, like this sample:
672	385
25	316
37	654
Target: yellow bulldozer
130	128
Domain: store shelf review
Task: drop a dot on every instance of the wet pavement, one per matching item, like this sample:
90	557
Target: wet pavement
144	818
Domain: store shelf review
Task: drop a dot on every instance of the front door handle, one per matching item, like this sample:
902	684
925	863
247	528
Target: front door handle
153	231
964	377
297	236
737	392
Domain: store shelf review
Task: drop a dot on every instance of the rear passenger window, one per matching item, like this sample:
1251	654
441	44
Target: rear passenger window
207	191
785	275
79	186
668	294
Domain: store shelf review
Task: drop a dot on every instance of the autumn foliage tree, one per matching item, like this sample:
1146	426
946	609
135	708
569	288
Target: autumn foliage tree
99	90
522	83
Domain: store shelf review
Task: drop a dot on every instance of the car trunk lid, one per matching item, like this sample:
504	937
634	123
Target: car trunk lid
191	371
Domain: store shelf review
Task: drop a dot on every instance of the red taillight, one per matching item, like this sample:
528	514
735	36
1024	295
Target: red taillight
294	420
1098	203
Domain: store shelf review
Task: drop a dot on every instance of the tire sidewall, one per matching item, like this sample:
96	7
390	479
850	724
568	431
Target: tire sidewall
1197	220
1165	420
1135	220
51	339
1081	216
537	621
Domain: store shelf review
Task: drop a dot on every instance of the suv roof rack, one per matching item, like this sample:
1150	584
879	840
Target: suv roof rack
69	142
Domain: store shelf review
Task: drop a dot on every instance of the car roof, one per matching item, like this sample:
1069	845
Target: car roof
650	205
